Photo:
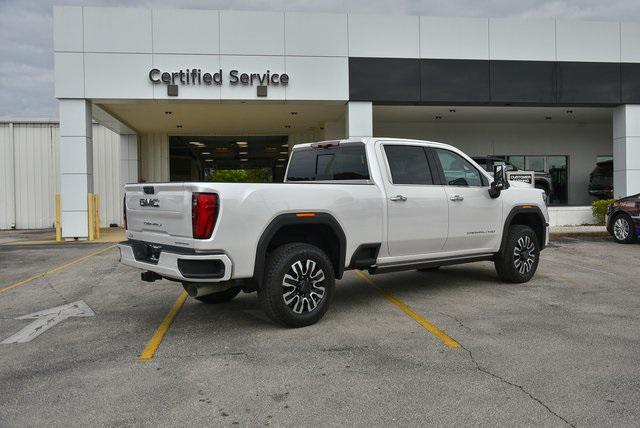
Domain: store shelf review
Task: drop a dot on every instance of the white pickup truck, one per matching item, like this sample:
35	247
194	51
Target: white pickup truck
378	204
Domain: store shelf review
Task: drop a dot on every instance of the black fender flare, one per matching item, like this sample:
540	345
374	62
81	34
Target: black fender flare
288	219
523	209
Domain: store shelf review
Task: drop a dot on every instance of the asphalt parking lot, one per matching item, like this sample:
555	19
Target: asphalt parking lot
561	350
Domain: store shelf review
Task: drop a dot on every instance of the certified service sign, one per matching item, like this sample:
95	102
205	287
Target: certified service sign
196	76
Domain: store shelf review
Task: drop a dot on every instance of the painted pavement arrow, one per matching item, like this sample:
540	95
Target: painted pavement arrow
46	319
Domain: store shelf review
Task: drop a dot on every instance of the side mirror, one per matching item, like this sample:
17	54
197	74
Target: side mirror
499	182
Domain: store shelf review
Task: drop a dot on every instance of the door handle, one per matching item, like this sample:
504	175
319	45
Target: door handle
398	198
456	198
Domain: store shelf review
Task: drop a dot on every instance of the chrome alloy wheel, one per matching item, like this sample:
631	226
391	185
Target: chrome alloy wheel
524	254
302	288
621	229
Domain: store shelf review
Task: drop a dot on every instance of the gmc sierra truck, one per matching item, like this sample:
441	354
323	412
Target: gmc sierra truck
376	204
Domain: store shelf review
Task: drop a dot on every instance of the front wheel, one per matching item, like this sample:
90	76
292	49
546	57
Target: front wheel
518	260
298	285
623	230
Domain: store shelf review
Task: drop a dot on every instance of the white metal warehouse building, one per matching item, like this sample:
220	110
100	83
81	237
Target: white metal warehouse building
30	171
174	95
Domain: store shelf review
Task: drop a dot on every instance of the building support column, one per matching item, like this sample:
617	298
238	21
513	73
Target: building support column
128	164
359	117
76	166
626	150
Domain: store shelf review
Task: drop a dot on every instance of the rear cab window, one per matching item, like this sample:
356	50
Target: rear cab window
343	162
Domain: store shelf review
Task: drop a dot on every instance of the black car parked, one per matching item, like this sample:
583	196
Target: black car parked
623	219
601	180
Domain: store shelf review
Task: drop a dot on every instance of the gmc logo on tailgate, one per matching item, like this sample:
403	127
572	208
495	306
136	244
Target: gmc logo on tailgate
155	203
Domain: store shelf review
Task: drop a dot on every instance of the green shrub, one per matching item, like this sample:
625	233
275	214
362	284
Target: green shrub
599	208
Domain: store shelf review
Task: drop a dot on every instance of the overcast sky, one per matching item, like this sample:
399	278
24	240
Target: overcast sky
26	45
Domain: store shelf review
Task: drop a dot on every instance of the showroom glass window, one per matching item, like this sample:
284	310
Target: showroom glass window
457	170
408	164
556	166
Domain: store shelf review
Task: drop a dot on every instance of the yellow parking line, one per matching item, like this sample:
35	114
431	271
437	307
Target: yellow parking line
153	345
444	338
52	271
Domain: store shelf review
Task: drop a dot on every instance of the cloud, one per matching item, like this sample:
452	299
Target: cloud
26	28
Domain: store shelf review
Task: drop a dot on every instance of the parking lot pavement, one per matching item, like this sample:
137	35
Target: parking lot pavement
563	349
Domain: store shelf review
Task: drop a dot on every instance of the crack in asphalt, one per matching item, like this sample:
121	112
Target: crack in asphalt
457	320
520	387
503	380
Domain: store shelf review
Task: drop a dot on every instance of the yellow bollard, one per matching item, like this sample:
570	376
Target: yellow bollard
91	213
96	204
58	214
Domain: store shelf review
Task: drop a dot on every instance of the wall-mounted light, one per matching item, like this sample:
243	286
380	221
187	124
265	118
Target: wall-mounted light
206	153
244	160
242	143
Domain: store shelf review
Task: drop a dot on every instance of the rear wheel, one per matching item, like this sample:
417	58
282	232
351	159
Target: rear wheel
623	230
221	297
298	285
518	260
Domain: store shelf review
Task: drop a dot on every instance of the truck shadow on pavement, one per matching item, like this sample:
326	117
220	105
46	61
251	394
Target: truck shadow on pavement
352	294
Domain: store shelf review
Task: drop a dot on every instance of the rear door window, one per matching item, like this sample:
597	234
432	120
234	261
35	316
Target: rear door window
345	162
408	164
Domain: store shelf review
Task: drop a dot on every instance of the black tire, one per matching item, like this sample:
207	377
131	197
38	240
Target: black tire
518	260
221	297
429	269
307	300
623	229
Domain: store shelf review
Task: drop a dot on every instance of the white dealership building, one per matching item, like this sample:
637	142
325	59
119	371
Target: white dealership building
174	95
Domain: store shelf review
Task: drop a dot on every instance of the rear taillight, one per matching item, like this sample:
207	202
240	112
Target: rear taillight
124	211
204	213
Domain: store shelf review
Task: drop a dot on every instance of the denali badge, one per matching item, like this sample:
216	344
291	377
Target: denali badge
150	203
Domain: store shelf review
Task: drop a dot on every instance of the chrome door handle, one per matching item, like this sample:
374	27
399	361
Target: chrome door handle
456	198
398	198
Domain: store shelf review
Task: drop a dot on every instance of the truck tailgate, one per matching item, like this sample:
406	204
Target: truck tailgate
159	213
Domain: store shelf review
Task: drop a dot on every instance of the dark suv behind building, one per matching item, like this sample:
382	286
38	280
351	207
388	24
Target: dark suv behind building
601	180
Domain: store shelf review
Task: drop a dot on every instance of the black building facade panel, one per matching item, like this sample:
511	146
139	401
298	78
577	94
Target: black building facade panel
630	83
384	79
588	83
454	81
523	82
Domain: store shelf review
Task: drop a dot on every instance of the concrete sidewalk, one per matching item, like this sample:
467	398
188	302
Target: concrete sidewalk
577	231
